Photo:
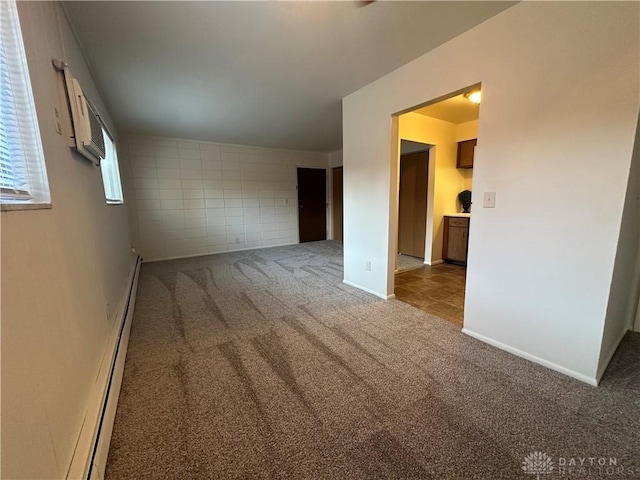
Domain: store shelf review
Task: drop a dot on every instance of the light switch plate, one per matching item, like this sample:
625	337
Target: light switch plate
489	200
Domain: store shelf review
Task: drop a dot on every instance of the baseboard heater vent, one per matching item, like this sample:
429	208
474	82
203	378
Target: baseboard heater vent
112	368
91	451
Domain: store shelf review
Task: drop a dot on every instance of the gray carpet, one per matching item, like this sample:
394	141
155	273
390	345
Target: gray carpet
407	262
263	364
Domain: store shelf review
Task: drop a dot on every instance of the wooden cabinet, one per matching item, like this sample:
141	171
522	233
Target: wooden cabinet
455	240
466	150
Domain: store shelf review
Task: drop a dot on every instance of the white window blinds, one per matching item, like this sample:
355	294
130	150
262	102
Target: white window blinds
110	171
23	176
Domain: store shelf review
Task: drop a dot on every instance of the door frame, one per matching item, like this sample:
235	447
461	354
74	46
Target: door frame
635	298
431	187
332	206
636	327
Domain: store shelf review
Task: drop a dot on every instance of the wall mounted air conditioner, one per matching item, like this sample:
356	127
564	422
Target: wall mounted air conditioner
86	132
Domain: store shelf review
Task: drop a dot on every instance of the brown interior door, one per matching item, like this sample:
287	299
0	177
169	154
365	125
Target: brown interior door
337	203
412	208
312	204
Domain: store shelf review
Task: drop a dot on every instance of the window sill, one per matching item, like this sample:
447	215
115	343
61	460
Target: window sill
9	207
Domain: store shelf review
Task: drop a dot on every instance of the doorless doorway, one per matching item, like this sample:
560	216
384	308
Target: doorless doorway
449	126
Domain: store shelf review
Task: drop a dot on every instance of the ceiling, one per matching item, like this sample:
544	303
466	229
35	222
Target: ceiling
456	109
268	74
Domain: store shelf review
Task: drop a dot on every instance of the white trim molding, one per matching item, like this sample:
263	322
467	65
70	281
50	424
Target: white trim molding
432	263
90	456
533	358
365	289
180	257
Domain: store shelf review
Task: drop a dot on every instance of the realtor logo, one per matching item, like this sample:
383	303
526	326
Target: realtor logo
537	463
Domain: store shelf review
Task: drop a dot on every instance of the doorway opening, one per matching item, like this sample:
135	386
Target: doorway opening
312	204
435	175
412	204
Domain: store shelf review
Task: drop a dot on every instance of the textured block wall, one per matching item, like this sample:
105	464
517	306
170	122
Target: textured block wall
191	198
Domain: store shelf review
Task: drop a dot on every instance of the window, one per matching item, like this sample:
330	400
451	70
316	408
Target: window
110	171
23	177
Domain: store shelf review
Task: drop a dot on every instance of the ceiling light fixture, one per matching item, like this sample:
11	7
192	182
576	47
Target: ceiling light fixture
474	97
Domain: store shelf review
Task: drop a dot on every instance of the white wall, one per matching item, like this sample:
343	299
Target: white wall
559	111
195	198
623	295
335	159
59	268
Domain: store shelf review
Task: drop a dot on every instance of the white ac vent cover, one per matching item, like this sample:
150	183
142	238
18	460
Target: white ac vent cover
86	135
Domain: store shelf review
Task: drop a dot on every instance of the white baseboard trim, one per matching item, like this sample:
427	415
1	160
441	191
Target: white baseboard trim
180	257
532	358
603	367
90	456
434	262
365	289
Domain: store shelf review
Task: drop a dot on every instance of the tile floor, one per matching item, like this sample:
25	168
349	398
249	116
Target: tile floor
438	290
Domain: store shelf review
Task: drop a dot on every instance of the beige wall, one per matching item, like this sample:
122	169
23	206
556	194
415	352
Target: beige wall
194	198
445	180
541	262
59	268
335	159
622	309
466	131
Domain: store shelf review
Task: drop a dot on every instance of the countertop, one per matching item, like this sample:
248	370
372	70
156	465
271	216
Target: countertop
462	215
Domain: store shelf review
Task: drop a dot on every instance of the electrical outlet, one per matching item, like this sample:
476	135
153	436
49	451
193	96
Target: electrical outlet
367	265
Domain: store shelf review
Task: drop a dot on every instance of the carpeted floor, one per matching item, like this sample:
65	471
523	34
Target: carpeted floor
263	364
407	262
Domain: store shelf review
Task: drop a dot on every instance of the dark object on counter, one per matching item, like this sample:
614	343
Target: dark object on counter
465	199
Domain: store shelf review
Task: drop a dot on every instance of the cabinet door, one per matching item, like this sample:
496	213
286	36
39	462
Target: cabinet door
457	244
466	151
